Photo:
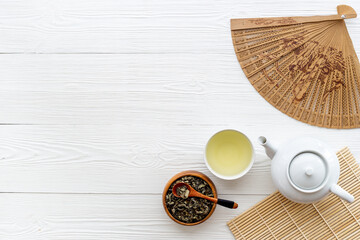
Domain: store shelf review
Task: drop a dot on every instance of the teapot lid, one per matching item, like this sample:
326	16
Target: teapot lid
307	171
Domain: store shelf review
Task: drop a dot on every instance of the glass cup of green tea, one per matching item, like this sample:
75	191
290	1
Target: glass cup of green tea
229	154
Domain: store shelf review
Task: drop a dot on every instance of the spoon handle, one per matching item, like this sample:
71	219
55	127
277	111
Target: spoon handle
222	202
227	203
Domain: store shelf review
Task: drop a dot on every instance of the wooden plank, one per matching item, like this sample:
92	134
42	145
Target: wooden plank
83	26
133	157
111	89
101	159
90	217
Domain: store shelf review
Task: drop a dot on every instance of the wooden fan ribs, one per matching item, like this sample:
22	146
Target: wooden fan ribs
304	66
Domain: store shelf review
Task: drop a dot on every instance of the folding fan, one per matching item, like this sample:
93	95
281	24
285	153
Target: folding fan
304	66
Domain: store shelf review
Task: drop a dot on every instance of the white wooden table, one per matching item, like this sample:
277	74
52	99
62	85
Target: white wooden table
102	101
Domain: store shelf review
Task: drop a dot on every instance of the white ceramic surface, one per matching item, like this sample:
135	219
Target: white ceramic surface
305	169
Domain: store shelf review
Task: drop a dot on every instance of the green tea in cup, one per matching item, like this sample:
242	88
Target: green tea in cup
229	154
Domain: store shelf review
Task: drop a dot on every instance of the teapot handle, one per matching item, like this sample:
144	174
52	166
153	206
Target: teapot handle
337	190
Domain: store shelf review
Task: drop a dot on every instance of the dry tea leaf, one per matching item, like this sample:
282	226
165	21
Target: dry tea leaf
185	209
183	192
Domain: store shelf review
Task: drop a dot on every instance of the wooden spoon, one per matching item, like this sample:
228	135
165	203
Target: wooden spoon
194	193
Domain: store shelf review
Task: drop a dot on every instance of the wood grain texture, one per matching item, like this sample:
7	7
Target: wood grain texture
103	101
100	159
92	217
68	158
111	26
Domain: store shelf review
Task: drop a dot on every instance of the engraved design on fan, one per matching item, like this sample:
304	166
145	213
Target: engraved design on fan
306	67
264	21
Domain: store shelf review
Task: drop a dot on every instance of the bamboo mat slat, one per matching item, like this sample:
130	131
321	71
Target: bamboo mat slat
331	218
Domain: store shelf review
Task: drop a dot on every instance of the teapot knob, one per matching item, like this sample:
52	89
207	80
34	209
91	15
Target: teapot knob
309	171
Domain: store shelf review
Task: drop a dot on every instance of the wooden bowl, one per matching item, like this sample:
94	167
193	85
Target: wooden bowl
195	174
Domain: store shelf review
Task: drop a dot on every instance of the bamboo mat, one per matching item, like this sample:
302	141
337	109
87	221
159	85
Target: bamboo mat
332	218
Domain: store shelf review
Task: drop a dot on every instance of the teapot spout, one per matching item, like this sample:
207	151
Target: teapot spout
269	148
337	190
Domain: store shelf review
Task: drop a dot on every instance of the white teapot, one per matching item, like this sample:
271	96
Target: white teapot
305	170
